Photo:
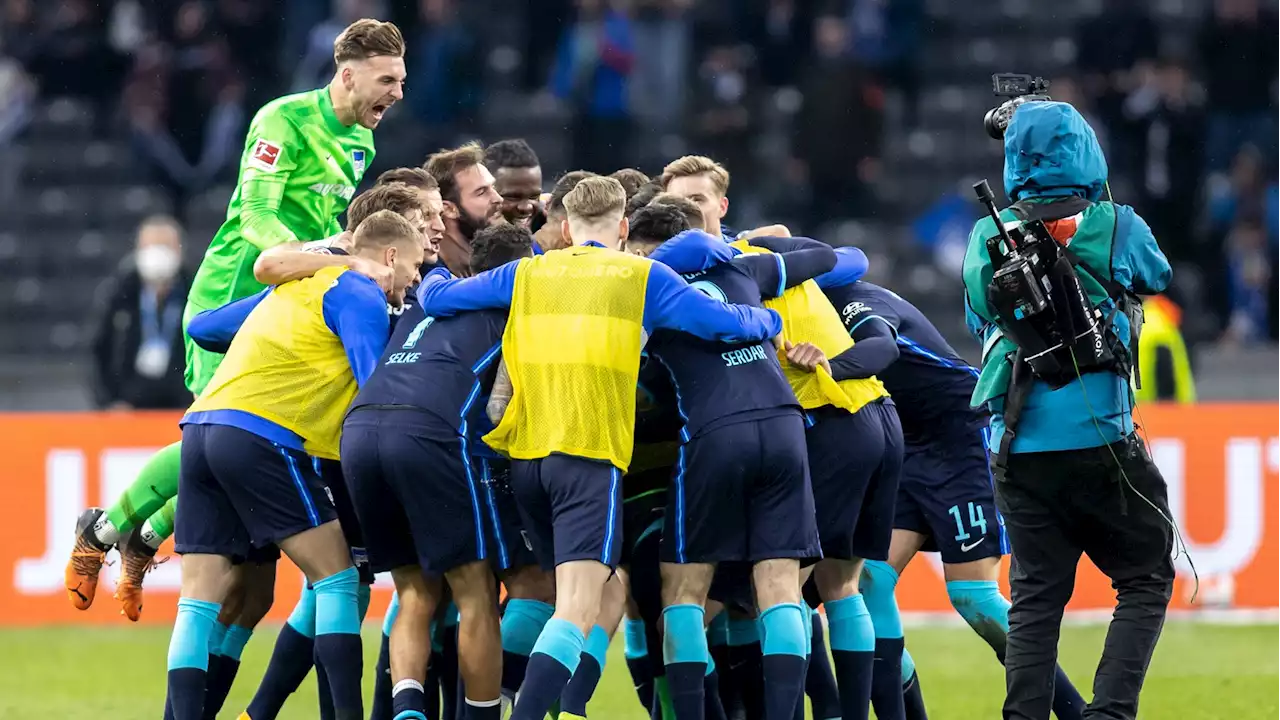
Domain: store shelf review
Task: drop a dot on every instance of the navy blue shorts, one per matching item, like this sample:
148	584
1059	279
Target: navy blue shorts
946	494
419	500
741	493
571	508
512	546
855	461
237	490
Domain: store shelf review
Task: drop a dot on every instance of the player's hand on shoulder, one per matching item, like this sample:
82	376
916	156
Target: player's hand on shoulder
381	274
807	357
766	231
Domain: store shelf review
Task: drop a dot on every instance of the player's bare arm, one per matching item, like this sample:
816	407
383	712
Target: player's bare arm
500	397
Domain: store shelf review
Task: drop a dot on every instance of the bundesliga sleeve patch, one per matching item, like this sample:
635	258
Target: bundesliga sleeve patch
265	155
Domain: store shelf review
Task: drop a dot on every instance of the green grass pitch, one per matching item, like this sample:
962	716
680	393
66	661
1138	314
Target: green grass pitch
1200	671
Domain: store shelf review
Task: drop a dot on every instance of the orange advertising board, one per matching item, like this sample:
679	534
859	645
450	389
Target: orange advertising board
1220	462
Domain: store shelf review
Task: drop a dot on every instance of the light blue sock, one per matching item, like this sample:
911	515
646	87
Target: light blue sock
189	644
563	641
718	630
303	617
522	623
981	605
597	645
743	631
877	583
216	636
785	630
808	622
337	604
849	625
683	640
637	645
236	638
389	620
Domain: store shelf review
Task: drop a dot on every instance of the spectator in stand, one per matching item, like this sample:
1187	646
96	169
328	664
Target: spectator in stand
1250	269
446	65
68	54
838	131
316	67
780	31
137	333
885	38
592	74
543	22
1238	51
186	106
17	94
1165	114
1111	48
252	31
1241	222
723	107
662	59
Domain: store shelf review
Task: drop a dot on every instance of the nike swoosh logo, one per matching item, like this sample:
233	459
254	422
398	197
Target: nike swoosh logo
966	547
336	166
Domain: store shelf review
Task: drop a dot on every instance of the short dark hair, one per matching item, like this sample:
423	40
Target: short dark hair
565	183
511	153
643	196
411	176
396	197
632	180
366	38
691	211
445	165
656	224
498	245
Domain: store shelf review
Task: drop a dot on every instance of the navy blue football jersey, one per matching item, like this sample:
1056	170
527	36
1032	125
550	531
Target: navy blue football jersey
929	382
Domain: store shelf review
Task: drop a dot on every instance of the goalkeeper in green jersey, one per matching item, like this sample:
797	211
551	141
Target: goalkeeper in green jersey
303	158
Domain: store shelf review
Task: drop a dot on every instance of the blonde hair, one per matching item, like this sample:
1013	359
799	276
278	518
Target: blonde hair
384	229
366	38
691	165
596	200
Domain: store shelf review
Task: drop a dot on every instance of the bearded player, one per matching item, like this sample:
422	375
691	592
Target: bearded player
303	158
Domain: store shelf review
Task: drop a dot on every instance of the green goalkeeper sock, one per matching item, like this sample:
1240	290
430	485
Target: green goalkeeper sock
155	486
159	526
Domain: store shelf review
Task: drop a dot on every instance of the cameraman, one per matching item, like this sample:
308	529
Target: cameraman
1072	475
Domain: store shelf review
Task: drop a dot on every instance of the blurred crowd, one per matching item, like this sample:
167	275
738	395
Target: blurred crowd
1192	130
1189	127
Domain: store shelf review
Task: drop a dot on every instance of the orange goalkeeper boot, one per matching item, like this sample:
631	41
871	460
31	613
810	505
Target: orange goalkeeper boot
86	561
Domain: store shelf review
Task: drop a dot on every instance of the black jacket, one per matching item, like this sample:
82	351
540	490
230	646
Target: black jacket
117	336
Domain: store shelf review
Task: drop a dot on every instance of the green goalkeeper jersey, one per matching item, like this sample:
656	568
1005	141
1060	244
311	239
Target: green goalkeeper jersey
299	171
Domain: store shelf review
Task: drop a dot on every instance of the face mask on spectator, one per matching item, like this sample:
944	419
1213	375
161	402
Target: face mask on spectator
157	263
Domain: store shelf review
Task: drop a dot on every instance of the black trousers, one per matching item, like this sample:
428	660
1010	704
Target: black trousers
1057	505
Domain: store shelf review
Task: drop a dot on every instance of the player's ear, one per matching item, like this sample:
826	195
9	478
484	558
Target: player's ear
724	206
450	210
624	229
389	255
564	232
347	76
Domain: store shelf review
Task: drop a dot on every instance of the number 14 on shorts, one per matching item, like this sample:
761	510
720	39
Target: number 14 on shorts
977	521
